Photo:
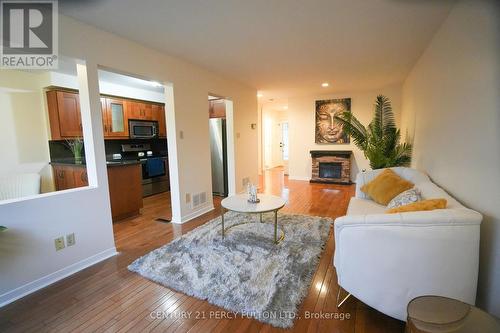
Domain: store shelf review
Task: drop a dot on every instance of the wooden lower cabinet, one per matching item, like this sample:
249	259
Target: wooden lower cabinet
125	186
69	176
125	190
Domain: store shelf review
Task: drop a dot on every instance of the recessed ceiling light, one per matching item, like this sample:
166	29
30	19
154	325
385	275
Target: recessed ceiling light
259	95
325	84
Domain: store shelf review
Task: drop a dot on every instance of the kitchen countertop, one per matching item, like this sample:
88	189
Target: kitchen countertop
108	163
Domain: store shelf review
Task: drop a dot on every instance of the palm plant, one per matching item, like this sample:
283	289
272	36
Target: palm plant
380	141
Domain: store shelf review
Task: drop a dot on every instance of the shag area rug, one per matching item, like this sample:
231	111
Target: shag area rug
246	272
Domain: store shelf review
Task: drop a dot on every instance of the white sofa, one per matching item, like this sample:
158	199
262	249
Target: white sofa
385	260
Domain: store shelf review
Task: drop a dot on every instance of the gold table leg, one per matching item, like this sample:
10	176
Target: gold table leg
276	227
276	239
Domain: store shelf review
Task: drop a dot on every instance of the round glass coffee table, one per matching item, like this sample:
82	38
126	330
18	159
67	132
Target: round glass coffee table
437	314
268	203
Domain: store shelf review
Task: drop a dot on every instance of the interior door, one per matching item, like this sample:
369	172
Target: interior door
116	124
70	120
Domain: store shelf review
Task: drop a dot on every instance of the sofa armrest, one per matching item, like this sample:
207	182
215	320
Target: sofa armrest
385	260
438	217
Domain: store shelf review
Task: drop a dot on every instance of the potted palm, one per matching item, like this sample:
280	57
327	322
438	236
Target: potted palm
380	140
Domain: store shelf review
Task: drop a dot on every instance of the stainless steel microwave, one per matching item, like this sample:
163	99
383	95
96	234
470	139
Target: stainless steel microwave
143	129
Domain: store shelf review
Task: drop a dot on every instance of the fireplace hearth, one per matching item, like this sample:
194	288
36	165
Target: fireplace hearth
331	166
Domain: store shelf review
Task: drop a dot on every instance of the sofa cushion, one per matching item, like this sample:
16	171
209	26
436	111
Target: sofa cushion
386	186
429	190
359	206
405	198
419	206
409	174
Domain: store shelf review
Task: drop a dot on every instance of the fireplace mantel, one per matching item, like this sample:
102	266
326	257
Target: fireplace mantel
339	153
331	158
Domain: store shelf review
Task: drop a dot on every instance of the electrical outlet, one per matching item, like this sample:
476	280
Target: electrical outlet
59	243
188	197
70	239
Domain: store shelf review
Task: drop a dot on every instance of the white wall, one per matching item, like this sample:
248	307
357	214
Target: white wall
23	129
28	257
452	107
301	113
33	224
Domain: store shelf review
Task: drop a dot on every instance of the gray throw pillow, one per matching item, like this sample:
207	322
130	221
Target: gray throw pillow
405	198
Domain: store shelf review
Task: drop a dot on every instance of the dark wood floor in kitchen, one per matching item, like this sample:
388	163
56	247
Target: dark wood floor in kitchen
108	298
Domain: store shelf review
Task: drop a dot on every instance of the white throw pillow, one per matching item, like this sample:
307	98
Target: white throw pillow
405	198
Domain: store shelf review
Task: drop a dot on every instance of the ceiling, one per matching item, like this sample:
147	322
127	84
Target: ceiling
282	48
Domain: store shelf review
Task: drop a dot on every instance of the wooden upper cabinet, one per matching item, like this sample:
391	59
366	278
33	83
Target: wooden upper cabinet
217	108
64	114
158	112
116	123
104	116
140	110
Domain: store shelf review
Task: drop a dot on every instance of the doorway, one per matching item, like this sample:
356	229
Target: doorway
275	133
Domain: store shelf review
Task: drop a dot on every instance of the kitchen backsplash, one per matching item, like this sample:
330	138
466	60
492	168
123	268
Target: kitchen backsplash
60	151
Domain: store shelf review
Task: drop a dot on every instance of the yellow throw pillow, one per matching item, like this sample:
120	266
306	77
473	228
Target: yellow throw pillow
386	186
430	204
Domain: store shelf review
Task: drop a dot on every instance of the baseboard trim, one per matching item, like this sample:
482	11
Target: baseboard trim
47	280
195	214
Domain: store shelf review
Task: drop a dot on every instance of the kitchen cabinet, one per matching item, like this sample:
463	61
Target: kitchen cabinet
140	111
158	114
80	176
125	185
64	114
217	108
69	176
115	118
125	190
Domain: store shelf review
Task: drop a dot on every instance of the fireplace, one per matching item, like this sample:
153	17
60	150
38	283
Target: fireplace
331	166
331	170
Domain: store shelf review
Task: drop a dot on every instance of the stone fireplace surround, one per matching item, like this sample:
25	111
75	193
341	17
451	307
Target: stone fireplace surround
331	156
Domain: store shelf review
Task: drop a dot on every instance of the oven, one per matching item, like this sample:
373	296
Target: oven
154	175
143	129
154	166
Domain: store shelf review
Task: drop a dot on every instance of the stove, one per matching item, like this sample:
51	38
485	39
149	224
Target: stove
154	167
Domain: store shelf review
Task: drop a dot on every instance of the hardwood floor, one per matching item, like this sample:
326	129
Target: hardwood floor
108	298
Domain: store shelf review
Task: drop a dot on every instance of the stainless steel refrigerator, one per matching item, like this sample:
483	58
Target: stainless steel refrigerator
218	152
